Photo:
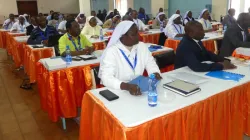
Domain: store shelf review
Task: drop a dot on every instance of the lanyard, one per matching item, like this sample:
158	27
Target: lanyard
137	23
126	58
205	23
177	29
79	43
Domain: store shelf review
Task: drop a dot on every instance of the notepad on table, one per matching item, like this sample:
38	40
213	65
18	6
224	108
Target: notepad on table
226	75
142	82
189	77
55	63
154	48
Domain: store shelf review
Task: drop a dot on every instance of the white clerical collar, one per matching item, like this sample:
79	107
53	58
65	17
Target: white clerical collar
44	29
196	40
240	27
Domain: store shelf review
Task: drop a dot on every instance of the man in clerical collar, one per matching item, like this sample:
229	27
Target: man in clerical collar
41	34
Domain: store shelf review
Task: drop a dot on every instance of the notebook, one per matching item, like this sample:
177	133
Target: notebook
188	77
226	75
142	82
154	48
181	87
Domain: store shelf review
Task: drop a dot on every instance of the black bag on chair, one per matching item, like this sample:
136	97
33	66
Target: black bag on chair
165	59
162	39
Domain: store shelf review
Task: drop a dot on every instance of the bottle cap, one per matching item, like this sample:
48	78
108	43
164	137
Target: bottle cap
152	76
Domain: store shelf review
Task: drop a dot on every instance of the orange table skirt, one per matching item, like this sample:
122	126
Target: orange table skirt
240	56
224	116
150	38
209	45
9	42
99	45
3	35
61	91
31	57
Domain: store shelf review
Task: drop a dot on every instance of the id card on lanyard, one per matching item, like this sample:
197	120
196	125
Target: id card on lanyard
179	31
128	61
43	35
73	42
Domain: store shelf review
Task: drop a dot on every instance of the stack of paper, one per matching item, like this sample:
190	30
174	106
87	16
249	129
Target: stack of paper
55	64
188	77
243	51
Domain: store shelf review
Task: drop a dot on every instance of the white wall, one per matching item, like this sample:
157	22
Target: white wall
84	6
155	5
7	7
219	7
63	6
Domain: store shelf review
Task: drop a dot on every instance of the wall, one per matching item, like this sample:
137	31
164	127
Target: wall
7	7
155	5
99	5
196	6
219	7
146	4
63	6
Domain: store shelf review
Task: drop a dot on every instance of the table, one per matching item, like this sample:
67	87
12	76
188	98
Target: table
32	56
99	44
209	43
239	54
216	25
61	90
10	39
17	45
217	113
3	34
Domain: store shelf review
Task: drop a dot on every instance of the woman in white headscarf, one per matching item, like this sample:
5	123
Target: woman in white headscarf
20	25
204	20
174	27
91	29
112	23
125	58
110	15
160	21
81	19
188	17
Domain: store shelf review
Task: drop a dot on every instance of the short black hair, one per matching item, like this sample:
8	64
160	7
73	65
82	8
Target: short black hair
69	24
191	25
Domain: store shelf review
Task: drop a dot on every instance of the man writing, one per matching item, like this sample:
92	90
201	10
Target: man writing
193	54
229	19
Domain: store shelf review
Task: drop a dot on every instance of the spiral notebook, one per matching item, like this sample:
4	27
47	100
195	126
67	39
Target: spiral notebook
226	75
142	82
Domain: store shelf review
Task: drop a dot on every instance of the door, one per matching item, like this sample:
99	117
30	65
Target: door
27	7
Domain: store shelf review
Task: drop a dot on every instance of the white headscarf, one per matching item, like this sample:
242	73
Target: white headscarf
202	12
110	11
121	29
22	17
158	15
186	15
88	19
79	15
172	18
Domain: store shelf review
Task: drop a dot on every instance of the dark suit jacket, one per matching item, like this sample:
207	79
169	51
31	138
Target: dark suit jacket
190	54
29	29
233	39
229	21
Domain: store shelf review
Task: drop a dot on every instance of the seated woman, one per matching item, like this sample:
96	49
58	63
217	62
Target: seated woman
174	27
160	21
78	43
81	19
125	58
188	17
54	20
91	29
112	23
20	25
204	20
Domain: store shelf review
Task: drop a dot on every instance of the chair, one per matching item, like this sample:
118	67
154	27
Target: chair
53	42
162	39
165	59
96	80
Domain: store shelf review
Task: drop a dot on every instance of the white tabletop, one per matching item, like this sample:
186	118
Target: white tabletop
134	110
21	38
213	36
93	40
152	31
17	33
4	30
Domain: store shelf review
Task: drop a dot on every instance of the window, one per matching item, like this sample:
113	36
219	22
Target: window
121	6
239	6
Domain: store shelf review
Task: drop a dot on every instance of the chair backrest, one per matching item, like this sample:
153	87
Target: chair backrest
53	42
97	79
165	59
162	39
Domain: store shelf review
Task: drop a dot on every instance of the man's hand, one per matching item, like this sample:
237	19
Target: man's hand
157	76
228	65
45	42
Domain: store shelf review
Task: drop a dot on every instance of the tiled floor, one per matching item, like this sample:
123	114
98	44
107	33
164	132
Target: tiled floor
20	115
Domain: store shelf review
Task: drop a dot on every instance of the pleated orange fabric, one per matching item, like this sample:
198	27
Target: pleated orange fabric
150	38
224	116
31	57
9	42
99	45
209	45
240	56
3	39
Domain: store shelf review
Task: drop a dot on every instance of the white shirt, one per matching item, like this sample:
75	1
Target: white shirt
243	33
172	30
206	24
62	26
17	26
10	25
114	69
99	22
141	26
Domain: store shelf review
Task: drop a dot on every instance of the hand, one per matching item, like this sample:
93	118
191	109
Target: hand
45	42
228	65
157	76
146	29
134	90
87	50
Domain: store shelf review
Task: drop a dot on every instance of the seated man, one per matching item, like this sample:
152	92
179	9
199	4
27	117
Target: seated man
78	43
140	25
62	25
125	58
236	36
41	34
32	26
229	19
192	53
8	23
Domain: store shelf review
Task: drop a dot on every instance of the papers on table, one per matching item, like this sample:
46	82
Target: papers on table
55	63
22	38
188	77
243	51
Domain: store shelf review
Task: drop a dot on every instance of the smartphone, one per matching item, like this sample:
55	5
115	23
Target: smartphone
110	96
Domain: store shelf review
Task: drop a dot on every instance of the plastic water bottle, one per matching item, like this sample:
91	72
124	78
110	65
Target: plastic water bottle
68	57
152	92
225	28
161	27
101	34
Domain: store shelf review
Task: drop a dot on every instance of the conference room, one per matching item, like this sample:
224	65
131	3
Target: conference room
124	70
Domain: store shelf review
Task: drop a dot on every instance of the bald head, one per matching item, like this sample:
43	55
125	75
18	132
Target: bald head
244	20
231	12
194	30
127	17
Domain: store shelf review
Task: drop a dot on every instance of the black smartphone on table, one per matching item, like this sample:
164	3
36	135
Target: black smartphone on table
110	96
